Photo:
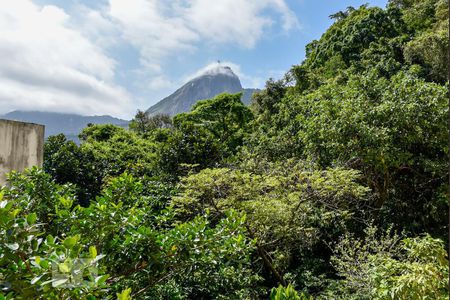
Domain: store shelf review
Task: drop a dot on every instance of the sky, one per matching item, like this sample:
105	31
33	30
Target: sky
113	57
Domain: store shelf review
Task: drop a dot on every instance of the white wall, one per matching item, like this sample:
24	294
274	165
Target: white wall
21	146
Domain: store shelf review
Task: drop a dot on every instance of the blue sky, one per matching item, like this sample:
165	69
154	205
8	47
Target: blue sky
117	56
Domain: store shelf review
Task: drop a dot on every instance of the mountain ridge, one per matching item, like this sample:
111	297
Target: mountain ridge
55	123
211	83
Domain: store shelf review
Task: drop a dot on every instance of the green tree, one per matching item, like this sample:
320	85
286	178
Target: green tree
127	233
67	162
287	293
225	117
288	211
144	124
33	263
105	151
205	137
391	130
384	266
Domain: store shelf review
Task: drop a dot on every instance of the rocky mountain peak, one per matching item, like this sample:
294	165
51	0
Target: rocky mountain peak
207	85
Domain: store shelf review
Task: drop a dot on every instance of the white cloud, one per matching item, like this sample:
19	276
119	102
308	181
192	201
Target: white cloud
160	28
57	60
214	67
289	18
247	81
147	26
95	25
160	83
47	65
237	21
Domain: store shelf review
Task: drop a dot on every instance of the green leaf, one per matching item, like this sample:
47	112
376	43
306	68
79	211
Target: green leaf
92	251
50	240
34	244
124	295
31	218
15	212
66	202
101	279
71	241
44	264
64	268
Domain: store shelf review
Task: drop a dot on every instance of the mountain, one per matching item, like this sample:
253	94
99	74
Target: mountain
68	124
247	95
208	85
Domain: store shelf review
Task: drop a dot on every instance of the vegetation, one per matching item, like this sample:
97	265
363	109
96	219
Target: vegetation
331	185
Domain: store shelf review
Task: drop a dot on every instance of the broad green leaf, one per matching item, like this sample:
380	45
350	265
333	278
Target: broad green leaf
101	279
31	218
71	241
50	240
44	264
92	252
124	295
64	268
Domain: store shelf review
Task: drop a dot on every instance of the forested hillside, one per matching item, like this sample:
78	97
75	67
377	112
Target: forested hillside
331	185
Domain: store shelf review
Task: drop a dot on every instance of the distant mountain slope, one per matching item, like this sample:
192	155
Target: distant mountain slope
55	123
208	85
247	95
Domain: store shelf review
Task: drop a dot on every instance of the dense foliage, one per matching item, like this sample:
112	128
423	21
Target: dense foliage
331	185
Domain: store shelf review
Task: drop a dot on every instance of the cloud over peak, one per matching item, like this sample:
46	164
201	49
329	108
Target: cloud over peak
67	60
161	28
49	66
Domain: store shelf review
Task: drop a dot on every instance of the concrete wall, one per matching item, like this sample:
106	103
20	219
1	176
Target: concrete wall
21	146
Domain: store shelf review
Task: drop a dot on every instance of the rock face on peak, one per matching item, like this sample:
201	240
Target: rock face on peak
206	86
